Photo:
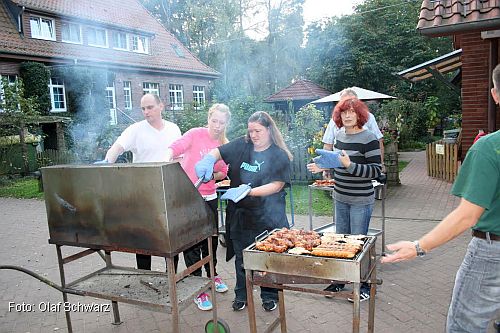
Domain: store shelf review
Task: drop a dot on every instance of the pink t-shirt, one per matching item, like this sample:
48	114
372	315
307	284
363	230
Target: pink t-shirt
195	144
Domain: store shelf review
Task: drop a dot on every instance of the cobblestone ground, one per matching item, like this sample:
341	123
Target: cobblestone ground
414	296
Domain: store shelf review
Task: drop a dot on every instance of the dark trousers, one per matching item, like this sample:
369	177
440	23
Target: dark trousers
144	261
240	290
200	250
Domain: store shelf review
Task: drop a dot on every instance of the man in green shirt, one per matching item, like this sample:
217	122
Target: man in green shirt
476	294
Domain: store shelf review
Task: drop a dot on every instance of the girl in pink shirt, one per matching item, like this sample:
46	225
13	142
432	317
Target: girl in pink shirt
194	145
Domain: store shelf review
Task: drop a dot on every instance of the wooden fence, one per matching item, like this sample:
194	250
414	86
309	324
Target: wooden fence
442	160
54	157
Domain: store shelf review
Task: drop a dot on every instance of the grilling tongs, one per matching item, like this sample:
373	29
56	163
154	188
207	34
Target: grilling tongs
198	182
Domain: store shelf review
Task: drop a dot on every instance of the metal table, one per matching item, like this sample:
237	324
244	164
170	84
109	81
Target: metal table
379	188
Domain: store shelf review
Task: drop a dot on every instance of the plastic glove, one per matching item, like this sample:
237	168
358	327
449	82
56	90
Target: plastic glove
237	193
102	162
327	159
205	167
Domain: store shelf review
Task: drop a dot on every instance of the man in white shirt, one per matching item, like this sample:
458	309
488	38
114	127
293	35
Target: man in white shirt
148	140
371	125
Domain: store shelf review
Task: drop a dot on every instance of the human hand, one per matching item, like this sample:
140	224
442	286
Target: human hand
403	250
314	168
105	161
205	167
327	159
344	159
237	193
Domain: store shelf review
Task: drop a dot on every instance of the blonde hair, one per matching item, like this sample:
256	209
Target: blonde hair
223	108
264	119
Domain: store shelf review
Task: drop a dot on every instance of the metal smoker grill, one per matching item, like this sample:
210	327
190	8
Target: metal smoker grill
286	271
148	208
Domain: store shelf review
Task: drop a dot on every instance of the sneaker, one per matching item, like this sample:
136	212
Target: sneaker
220	286
269	305
238	305
333	288
363	296
203	302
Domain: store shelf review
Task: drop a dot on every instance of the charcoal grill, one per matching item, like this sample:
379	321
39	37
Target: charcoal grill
150	208
288	271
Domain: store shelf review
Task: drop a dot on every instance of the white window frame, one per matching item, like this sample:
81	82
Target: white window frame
151	88
12	78
176	96
127	94
58	85
37	28
69	25
198	96
89	29
111	100
127	42
144	44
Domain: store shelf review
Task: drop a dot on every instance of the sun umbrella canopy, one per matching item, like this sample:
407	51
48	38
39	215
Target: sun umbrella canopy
363	94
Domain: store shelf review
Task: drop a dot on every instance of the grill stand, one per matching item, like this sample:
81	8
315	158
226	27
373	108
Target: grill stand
94	285
288	282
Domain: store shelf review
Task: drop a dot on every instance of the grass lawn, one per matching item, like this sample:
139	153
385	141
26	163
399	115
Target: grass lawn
25	188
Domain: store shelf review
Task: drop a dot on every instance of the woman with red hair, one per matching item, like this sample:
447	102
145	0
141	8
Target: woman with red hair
356	161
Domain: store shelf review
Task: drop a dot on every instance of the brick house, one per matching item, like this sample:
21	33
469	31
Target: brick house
119	35
475	27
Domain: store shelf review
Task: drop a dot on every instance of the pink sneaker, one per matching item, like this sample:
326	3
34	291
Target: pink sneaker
220	286
203	302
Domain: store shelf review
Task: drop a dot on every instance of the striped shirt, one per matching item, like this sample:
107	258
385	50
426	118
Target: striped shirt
353	185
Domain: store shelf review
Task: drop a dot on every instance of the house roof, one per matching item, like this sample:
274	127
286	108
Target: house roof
128	15
444	17
299	90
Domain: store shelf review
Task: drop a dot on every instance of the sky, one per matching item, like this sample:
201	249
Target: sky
314	10
317	9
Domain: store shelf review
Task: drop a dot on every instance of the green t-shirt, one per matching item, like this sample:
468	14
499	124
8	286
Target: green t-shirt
479	181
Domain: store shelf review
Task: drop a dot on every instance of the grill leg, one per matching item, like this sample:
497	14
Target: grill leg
281	299
212	283
371	309
356	308
173	294
114	304
250	302
63	285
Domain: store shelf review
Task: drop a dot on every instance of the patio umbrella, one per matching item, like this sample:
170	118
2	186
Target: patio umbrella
363	94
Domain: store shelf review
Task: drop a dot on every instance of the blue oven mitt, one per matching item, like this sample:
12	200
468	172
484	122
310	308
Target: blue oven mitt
102	162
237	193
327	159
205	168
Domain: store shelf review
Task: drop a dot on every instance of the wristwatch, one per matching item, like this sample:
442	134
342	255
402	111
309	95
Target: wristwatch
420	252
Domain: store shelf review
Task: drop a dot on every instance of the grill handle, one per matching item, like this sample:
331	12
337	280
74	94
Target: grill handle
261	236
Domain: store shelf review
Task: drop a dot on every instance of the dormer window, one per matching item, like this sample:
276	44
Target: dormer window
42	28
71	32
140	44
120	40
97	37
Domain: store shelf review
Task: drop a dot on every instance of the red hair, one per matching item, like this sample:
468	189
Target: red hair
347	104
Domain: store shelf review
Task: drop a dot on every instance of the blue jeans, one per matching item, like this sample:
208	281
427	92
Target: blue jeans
476	295
240	290
354	220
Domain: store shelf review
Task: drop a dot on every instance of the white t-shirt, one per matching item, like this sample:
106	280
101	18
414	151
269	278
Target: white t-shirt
148	144
332	130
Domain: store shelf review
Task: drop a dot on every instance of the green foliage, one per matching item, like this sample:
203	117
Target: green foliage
18	116
189	118
307	124
86	100
432	106
36	78
241	109
407	117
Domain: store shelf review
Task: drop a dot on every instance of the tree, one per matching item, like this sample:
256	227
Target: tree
36	79
19	113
